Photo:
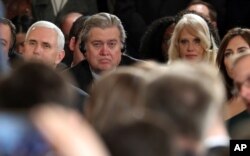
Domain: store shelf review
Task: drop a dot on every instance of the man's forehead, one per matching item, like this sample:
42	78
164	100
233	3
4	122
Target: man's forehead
2	25
41	28
42	33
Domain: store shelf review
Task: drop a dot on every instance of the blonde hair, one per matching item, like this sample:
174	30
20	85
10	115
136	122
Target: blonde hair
197	26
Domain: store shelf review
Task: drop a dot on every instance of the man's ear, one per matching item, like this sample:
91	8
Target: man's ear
60	56
72	43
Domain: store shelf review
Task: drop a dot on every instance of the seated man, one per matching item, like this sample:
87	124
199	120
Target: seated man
45	42
241	72
102	44
33	107
8	39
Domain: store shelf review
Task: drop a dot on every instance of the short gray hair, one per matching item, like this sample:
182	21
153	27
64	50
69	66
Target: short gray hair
47	24
102	20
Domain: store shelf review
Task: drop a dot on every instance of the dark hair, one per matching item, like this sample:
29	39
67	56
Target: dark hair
31	84
150	46
245	34
22	23
211	8
77	27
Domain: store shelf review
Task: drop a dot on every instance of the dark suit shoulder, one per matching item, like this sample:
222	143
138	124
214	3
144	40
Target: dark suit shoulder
231	123
82	74
81	97
128	60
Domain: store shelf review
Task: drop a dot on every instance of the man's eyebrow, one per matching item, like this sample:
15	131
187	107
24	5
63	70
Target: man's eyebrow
96	41
32	40
3	40
47	44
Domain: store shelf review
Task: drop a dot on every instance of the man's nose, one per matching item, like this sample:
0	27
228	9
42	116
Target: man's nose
104	49
37	49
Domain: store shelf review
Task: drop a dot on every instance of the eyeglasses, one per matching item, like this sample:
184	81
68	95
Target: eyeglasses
239	85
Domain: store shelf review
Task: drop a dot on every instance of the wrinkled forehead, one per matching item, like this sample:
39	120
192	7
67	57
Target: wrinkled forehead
42	33
43	30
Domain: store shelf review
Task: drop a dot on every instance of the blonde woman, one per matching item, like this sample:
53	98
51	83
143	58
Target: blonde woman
192	40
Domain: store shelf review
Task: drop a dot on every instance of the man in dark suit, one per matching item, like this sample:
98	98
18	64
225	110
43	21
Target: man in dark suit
53	10
45	42
8	39
103	44
241	71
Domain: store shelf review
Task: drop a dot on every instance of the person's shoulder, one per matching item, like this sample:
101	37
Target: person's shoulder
219	150
128	60
80	91
82	64
240	116
231	123
81	67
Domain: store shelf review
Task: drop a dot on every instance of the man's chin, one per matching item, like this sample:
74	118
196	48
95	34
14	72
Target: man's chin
106	68
103	69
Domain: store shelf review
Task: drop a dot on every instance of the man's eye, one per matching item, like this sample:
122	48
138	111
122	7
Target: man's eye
112	44
3	43
32	43
46	46
97	44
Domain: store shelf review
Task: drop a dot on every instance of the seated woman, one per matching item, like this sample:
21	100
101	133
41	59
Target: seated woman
193	40
237	40
155	42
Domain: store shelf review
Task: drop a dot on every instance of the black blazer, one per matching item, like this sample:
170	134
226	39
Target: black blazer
83	76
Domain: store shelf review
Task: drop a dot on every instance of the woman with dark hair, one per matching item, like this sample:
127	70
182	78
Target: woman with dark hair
236	40
155	42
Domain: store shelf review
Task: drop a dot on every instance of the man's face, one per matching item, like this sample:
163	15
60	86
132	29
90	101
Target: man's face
20	39
242	79
41	44
5	38
202	9
103	49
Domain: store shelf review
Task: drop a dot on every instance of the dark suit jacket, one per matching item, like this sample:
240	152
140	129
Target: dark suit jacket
136	15
234	121
83	75
81	97
43	9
